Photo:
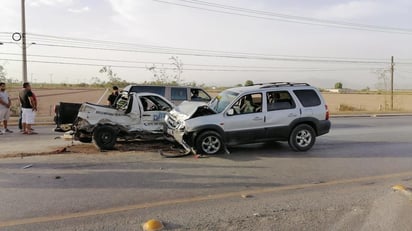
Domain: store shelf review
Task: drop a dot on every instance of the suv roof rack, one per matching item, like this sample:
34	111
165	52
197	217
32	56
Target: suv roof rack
280	84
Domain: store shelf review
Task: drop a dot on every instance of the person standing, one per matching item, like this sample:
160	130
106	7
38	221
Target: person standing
5	104
28	107
112	97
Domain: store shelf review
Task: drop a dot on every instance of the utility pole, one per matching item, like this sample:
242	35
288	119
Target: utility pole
23	36
392	70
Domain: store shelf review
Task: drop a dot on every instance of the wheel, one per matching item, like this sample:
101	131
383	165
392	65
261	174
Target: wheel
105	137
209	142
302	138
85	139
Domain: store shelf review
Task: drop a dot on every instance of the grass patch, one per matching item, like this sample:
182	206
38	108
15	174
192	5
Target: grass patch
346	107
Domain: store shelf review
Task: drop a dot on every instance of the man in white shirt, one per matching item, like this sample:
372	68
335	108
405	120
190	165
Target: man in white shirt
5	104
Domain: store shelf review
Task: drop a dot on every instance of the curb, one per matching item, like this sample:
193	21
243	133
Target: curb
371	115
41	120
35	124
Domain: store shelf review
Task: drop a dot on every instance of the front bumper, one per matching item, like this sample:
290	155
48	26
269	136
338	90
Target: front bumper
175	130
179	136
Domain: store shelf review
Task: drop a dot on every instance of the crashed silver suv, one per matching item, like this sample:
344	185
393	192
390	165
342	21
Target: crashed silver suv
280	111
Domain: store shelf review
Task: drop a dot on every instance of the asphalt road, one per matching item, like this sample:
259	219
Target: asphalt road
343	183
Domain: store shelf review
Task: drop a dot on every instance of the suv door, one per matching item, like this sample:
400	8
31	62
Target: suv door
245	122
281	111
197	94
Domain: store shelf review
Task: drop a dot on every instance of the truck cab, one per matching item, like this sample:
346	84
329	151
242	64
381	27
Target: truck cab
134	116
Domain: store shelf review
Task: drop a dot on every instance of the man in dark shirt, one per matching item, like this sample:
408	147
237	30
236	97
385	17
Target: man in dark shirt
29	107
113	96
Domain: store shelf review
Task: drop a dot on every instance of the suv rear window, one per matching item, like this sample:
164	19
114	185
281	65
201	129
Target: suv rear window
150	89
178	93
308	98
279	100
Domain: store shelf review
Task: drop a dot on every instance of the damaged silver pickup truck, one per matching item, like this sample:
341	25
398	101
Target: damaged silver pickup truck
134	116
280	111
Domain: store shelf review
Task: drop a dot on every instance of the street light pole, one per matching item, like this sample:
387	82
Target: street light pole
392	70
23	36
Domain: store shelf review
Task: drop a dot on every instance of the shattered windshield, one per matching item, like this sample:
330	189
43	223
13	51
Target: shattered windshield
220	102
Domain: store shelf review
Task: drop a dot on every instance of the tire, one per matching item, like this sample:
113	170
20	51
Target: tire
104	137
85	139
302	138
209	142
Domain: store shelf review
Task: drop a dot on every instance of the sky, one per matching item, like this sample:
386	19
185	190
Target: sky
271	43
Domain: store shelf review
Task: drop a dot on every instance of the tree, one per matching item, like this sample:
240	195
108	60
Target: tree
168	75
114	79
384	84
338	85
248	83
2	74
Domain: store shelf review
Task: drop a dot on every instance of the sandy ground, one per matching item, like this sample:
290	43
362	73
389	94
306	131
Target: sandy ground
368	102
358	102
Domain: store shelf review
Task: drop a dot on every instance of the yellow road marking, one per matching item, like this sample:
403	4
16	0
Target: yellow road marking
97	212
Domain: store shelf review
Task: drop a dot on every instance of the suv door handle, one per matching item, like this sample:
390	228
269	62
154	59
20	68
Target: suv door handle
257	118
292	115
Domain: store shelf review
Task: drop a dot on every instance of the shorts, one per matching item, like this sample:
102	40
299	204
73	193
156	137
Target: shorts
28	116
4	114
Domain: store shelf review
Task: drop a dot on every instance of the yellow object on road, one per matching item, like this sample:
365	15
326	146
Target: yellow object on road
399	187
404	190
153	225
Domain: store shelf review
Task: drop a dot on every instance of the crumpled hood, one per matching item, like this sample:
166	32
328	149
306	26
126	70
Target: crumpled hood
190	109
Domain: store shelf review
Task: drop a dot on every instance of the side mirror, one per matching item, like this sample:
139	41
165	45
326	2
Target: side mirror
230	112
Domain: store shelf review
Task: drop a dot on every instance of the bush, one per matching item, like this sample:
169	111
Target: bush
345	107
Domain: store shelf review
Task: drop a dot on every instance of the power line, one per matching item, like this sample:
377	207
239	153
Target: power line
121	46
404	71
111	43
226	9
234	56
188	69
159	63
404	63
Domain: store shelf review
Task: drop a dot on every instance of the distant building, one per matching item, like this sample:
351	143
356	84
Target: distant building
340	91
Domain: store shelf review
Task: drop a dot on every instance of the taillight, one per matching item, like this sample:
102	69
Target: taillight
327	112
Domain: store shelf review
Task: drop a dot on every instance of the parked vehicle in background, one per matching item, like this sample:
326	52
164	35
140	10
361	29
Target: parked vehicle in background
279	111
176	94
135	116
66	113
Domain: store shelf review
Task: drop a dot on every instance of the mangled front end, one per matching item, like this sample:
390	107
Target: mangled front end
178	119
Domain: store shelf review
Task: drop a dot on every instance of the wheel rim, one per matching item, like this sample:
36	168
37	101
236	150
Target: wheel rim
303	138
106	137
211	144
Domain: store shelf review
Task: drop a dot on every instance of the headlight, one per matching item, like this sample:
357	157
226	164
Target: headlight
182	126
